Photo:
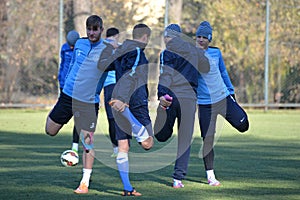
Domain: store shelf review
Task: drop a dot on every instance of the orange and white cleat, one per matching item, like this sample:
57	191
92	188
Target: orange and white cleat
82	189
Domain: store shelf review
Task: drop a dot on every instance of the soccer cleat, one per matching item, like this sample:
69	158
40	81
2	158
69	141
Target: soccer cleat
82	189
213	182
76	150
114	155
178	184
131	193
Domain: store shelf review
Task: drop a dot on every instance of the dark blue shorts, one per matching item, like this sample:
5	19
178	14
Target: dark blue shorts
229	109
85	114
123	127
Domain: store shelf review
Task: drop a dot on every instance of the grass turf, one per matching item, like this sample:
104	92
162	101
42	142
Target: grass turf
261	164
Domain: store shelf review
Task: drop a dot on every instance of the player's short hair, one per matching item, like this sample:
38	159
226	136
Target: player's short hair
94	21
139	30
112	32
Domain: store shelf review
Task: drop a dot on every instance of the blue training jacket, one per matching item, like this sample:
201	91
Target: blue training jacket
214	85
66	56
83	81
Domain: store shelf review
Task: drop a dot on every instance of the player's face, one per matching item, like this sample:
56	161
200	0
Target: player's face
94	33
145	39
202	42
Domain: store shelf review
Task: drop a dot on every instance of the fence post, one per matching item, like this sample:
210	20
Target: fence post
267	56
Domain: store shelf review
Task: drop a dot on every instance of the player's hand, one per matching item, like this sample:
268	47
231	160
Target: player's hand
165	100
118	105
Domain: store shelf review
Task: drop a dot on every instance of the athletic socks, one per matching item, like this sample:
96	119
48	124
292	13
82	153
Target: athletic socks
116	149
86	176
138	130
210	174
211	179
75	147
123	167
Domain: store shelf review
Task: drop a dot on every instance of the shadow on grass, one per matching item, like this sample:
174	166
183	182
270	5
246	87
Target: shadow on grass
247	168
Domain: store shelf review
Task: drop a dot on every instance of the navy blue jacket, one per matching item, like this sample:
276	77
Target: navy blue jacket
181	63
66	54
131	66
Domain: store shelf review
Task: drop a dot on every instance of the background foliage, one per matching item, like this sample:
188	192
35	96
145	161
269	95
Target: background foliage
29	31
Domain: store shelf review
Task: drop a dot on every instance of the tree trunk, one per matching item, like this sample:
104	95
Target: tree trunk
82	9
175	11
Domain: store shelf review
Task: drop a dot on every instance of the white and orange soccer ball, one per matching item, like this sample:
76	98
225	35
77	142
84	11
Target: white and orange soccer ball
69	158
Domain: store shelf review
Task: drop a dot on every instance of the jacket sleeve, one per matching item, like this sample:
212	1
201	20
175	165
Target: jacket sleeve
70	65
101	82
166	73
107	58
225	75
62	56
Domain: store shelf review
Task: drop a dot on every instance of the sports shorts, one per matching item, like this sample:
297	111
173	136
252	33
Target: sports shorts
85	114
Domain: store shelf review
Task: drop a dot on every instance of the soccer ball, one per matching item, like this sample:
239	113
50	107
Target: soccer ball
69	158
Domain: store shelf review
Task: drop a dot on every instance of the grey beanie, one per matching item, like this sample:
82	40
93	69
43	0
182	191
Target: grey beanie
72	37
205	30
173	30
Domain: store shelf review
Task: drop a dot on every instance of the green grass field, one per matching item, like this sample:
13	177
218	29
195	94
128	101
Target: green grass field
264	163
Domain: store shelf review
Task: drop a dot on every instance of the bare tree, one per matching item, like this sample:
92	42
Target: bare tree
82	9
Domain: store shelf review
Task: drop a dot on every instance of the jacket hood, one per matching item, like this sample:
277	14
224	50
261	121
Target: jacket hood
130	45
179	46
189	52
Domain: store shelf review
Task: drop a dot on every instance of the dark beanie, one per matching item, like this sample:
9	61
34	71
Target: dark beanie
72	37
205	30
173	30
112	32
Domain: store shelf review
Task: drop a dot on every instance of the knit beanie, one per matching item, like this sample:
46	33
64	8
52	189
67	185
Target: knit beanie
173	30
205	30
72	37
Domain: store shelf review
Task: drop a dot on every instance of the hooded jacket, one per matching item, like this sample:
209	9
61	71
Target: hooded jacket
131	66
180	64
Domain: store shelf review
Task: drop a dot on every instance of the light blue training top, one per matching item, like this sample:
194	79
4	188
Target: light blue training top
84	76
110	79
111	76
214	85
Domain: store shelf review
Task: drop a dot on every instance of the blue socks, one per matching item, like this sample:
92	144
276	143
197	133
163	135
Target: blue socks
138	130
123	167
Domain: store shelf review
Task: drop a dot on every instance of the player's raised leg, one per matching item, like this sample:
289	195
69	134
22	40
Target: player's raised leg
52	128
139	131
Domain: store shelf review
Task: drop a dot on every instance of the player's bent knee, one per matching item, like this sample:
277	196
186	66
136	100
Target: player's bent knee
52	128
162	136
51	132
